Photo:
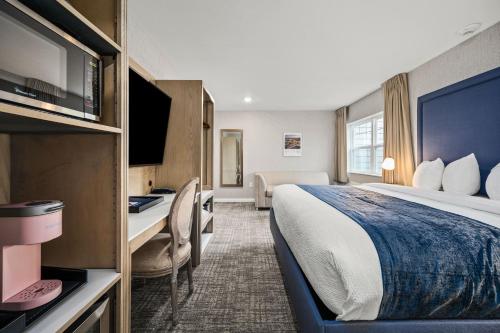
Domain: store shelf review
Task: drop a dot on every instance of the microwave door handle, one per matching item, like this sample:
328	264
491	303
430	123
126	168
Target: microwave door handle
100	90
93	318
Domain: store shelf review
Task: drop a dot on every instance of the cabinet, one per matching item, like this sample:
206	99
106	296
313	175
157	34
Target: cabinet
50	156
189	145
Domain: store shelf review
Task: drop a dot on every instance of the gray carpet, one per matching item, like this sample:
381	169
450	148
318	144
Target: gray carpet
238	286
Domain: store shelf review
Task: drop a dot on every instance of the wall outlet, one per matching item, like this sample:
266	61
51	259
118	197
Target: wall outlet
250	184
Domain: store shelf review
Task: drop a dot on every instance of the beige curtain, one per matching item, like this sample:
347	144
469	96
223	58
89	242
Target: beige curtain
397	129
341	145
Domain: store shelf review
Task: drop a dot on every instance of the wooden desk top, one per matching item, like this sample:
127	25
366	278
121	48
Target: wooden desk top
143	226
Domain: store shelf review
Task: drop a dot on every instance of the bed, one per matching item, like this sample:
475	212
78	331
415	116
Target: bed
334	269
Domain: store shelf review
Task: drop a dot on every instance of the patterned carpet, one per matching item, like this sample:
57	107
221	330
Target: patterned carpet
238	286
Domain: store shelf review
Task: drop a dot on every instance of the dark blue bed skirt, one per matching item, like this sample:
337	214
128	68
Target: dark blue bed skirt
313	316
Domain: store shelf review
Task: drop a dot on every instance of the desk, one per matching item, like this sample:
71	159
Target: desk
144	225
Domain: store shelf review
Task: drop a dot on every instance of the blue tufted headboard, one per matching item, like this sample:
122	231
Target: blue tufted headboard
460	119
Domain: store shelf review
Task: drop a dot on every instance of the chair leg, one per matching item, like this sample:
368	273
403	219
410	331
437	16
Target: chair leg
173	285
190	276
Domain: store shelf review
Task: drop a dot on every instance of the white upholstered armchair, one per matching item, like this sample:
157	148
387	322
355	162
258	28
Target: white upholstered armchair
266	181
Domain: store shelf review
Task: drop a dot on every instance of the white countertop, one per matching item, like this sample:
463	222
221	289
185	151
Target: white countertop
140	222
68	310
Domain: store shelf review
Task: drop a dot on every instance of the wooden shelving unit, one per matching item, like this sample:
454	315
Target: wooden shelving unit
189	145
18	119
205	230
48	156
206	218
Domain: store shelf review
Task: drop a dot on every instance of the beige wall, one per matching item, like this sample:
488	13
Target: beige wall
474	56
262	144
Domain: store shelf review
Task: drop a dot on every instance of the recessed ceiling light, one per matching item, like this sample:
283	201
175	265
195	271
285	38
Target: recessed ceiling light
469	29
247	99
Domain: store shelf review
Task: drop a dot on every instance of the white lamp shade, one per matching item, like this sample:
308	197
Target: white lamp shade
388	164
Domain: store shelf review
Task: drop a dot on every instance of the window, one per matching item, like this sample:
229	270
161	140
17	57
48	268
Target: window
365	145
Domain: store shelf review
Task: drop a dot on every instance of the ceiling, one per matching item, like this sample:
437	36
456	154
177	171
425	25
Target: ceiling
291	55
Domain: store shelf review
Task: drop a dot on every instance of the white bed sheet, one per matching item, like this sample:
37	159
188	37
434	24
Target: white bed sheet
337	255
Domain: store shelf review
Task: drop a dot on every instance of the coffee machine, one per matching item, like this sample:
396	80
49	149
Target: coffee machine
23	227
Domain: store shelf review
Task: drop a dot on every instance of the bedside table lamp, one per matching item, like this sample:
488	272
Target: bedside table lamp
388	164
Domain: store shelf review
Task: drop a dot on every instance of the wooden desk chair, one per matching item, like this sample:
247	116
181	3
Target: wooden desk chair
165	253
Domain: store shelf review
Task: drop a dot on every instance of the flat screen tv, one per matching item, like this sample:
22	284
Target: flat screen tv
149	110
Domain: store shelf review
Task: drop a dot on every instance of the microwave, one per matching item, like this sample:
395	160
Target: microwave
43	67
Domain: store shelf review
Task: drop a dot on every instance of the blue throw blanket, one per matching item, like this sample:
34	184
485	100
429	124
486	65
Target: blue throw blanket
435	264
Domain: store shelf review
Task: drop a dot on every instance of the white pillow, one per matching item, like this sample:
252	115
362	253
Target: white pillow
429	175
493	183
462	176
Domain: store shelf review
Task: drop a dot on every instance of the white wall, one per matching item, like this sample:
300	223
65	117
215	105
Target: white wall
474	56
262	144
143	48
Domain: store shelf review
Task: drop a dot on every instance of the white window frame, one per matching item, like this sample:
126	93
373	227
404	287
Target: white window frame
373	146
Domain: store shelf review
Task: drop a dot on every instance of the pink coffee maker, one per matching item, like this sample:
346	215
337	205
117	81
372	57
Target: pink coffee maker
23	227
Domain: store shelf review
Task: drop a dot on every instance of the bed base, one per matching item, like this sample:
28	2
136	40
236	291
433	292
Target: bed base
313	316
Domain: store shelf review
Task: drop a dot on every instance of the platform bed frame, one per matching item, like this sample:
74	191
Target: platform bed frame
453	122
313	316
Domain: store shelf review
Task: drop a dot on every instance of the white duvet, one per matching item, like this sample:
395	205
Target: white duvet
337	255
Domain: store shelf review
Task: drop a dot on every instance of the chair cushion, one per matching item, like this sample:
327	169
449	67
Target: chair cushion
269	191
152	259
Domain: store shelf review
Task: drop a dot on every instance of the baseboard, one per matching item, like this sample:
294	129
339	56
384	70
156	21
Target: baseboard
234	200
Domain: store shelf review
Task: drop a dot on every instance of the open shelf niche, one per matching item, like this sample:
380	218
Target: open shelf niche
208	141
62	17
84	164
96	26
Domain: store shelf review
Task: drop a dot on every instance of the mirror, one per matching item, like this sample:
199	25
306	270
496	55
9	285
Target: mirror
231	158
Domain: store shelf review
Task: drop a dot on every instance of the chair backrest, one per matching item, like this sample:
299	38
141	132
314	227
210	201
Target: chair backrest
181	214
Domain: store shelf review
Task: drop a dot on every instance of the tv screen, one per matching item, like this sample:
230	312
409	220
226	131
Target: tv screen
149	110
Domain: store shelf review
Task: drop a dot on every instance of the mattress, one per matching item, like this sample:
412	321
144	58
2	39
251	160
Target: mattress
336	254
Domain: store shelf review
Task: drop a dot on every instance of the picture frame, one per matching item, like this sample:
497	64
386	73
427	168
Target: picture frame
292	144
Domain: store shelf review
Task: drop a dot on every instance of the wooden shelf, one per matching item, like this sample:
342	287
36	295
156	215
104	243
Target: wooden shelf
206	217
65	313
205	195
18	119
66	17
205	239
